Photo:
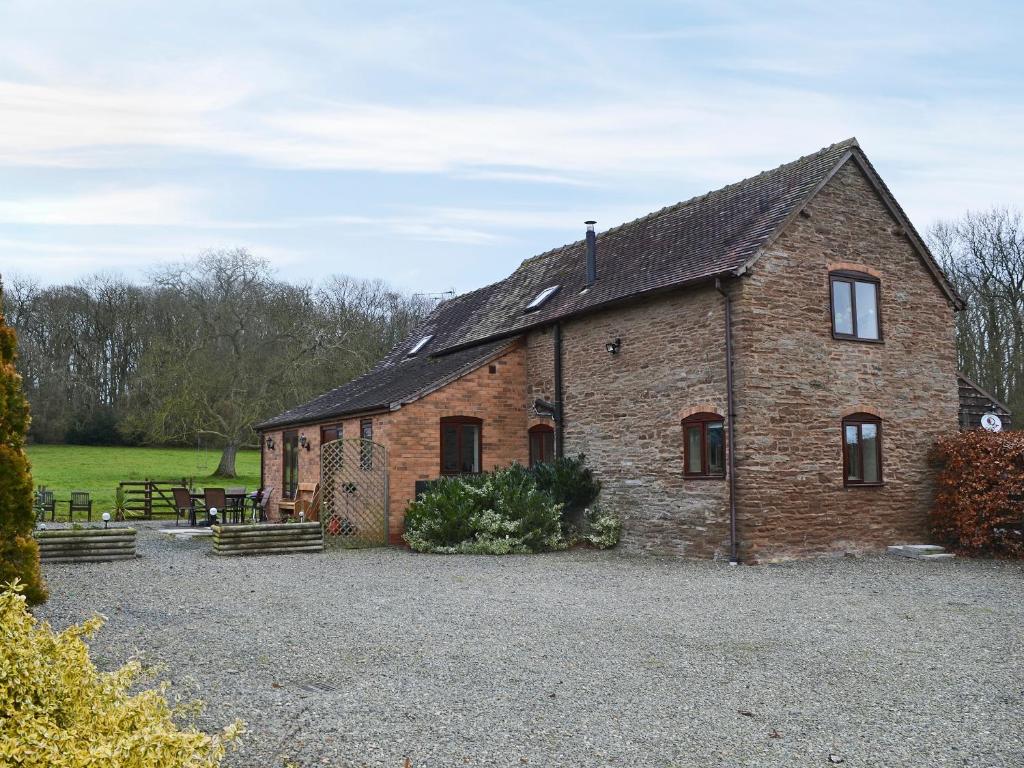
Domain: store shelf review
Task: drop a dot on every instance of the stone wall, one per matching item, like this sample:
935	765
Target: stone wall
624	412
795	382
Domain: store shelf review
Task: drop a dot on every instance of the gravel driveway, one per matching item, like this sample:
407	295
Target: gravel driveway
573	659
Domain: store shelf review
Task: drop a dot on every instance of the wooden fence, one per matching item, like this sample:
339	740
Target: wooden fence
70	545
267	539
144	497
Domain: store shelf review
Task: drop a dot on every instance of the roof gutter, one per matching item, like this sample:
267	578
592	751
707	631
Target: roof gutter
734	557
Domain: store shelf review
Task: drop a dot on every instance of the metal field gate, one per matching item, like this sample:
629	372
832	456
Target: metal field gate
354	493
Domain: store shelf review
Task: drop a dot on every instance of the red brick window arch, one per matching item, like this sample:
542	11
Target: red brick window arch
542	444
704	445
461	445
862	449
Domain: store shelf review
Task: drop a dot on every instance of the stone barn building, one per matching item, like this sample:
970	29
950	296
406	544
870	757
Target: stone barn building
756	373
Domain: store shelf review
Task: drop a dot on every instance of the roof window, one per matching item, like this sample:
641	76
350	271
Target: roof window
419	345
542	297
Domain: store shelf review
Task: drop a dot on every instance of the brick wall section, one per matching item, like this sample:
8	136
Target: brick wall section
624	412
795	383
412	434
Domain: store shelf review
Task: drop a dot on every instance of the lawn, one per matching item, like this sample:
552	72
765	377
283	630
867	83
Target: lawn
98	469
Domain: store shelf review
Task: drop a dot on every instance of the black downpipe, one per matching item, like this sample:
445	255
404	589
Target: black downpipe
559	408
730	406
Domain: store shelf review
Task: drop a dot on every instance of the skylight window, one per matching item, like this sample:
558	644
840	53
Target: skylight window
420	345
541	297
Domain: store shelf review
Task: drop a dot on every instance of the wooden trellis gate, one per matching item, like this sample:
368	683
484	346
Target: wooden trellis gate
354	493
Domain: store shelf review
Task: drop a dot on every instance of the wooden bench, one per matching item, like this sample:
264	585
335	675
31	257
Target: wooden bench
286	507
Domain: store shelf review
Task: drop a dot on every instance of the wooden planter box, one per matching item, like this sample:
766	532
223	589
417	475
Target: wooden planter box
84	545
267	539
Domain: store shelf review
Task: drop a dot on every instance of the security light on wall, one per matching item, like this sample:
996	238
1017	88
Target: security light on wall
612	347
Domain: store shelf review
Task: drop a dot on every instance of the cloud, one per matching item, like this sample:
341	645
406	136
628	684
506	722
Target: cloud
132	207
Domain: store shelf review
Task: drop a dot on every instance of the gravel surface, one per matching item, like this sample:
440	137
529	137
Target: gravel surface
572	659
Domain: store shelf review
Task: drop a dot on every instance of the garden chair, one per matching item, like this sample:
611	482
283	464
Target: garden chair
45	502
184	505
235	505
216	498
80	502
259	512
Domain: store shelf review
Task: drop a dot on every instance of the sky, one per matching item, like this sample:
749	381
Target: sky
436	145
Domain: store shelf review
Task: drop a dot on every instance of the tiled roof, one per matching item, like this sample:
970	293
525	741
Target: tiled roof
715	234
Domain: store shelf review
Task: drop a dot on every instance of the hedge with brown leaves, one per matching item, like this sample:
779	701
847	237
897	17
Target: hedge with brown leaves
979	500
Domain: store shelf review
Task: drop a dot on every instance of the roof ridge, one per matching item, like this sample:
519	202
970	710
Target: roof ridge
845	143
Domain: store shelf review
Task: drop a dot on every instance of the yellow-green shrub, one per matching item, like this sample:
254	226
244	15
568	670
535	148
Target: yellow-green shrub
58	711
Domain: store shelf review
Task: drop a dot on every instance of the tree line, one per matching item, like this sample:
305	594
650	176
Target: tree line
205	348
983	256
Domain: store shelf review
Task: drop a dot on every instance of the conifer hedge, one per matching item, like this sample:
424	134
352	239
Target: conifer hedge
19	554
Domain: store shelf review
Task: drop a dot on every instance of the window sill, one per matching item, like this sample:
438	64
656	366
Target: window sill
841	337
703	477
864	485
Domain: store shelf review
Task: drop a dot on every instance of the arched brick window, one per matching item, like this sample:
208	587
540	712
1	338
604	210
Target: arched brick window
862	449
461	445
704	445
542	444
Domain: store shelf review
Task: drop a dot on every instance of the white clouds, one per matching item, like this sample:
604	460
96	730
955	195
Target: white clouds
130	207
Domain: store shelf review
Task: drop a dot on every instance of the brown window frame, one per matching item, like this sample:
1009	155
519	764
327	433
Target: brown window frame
859	420
473	420
702	420
540	432
337	429
852	278
289	490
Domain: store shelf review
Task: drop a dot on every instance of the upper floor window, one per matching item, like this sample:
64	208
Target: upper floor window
862	449
855	306
461	450
330	432
542	444
704	445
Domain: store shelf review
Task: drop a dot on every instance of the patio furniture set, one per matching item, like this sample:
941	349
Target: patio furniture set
230	505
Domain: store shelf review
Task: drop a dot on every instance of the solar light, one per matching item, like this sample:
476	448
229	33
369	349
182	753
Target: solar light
106	519
213	515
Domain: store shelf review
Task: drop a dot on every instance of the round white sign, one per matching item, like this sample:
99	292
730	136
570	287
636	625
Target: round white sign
991	422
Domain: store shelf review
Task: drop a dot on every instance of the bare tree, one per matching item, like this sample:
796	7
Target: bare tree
983	255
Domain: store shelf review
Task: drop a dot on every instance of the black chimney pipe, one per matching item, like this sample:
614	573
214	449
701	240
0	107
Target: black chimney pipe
591	253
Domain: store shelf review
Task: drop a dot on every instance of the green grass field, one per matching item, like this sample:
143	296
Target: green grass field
98	470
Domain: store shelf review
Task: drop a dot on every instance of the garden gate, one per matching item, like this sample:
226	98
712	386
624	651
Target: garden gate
354	493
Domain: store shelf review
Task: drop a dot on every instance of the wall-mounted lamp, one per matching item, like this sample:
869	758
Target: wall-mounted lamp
612	347
304	442
270	443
